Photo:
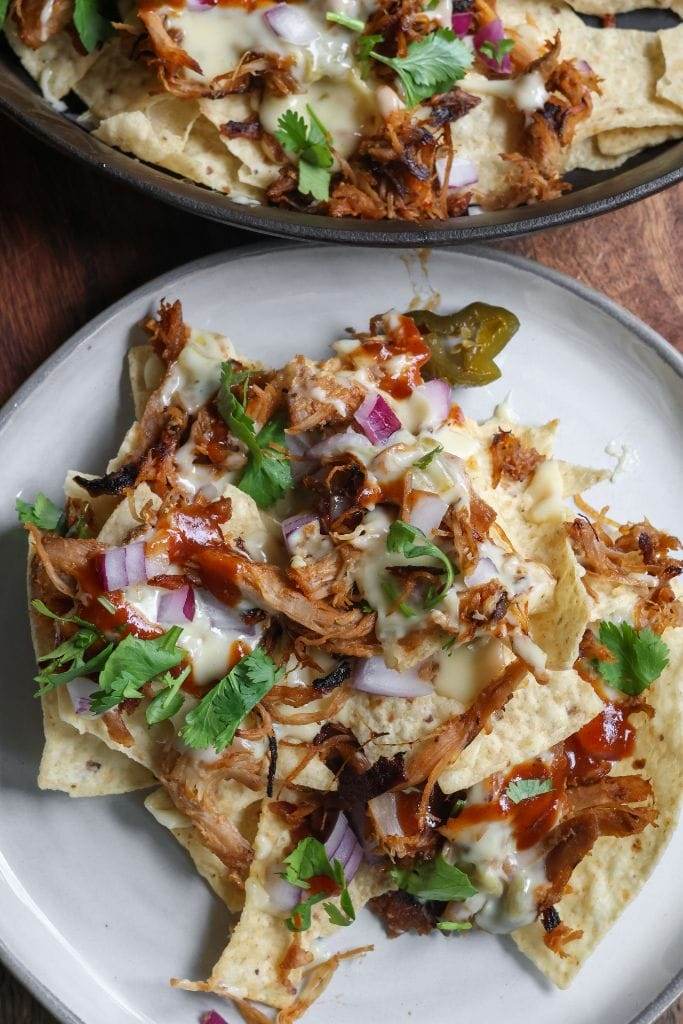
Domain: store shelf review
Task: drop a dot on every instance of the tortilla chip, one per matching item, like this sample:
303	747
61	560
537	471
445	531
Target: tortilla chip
628	141
248	967
56	65
616	869
172	134
245	806
254	169
537	716
586	155
670	85
382	726
115	83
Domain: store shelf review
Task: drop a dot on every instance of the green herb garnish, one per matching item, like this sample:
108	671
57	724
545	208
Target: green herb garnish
69	660
267	474
640	657
132	663
392	593
453	926
92	27
434	880
527	789
43	513
311	143
428	457
431	65
169	700
353	24
309	860
214	721
410	542
497	51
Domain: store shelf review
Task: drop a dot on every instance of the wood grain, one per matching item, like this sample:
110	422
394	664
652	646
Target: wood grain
72	242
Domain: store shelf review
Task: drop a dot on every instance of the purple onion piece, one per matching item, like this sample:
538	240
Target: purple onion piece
135	562
176	606
427	512
80	691
461	23
291	23
211	1017
492	32
294	524
371	675
112	569
438	394
376	418
345	848
353	863
337	833
462	172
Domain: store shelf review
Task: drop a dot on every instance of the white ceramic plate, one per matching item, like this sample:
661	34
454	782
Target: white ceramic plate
98	905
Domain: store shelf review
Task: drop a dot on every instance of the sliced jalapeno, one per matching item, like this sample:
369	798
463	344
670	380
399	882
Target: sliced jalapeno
464	344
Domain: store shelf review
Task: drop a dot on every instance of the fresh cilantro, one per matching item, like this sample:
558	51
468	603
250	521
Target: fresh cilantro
4	7
311	144
92	27
267	474
428	457
309	860
527	789
79	528
132	663
453	926
432	5
68	660
410	542
106	603
457	807
431	65
353	24
169	700
640	657
497	51
43	513
214	721
434	880
365	47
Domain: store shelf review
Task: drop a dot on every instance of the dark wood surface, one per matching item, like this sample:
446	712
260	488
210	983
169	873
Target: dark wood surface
72	241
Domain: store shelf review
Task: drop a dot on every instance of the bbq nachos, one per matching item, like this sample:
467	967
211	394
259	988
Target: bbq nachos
366	649
373	109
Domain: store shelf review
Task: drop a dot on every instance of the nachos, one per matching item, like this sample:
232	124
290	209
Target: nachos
365	648
371	109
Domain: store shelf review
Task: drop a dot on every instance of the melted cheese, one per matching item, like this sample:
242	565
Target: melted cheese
546	494
457	441
193	379
464	671
528	92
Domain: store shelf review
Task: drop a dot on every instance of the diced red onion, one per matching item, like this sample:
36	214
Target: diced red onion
376	418
177	606
346	847
384	813
223	616
438	394
347	440
81	690
461	23
427	512
294	524
371	675
283	896
492	32
584	67
200	5
291	23
122	567
353	863
211	1017
339	829
462	172
483	571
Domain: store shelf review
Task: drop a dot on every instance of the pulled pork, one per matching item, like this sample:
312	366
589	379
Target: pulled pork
511	458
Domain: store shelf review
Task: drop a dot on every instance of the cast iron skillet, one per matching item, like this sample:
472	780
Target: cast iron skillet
594	192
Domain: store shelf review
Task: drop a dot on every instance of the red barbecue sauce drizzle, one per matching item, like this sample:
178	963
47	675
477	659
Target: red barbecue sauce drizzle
585	757
403	338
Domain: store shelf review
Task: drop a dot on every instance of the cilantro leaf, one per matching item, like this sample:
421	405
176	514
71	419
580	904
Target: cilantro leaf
434	880
640	657
69	660
311	144
527	789
43	513
428	457
214	721
309	860
410	542
268	473
4	7
132	663
496	51
391	592
353	24
92	27
431	65
169	700
364	47
453	926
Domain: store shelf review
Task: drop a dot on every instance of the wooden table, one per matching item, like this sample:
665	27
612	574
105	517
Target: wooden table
72	241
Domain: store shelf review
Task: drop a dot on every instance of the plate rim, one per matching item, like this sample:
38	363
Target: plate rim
20	99
642	331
